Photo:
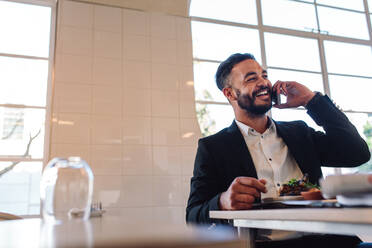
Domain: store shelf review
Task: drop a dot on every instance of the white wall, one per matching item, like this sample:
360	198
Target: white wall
172	7
124	101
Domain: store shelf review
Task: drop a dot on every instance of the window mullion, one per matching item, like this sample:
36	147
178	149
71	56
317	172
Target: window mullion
291	69
261	37
357	112
211	102
323	65
21	106
48	3
207	60
222	22
279	30
369	22
19	158
317	16
50	88
261	33
349	75
22	56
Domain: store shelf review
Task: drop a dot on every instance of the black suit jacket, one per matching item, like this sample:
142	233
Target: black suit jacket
224	156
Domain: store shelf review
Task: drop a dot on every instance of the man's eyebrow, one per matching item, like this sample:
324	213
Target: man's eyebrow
249	74
254	73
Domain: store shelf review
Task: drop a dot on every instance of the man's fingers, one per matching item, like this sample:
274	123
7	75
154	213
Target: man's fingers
283	105
241	206
280	87
245	198
262	180
252	182
243	189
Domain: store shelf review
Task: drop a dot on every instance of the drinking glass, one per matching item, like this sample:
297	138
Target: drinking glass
66	190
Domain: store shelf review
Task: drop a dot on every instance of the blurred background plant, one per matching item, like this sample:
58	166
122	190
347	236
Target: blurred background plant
367	131
207	124
26	153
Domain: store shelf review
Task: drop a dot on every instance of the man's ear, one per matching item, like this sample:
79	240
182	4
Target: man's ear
229	93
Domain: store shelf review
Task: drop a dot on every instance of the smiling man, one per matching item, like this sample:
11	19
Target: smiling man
250	159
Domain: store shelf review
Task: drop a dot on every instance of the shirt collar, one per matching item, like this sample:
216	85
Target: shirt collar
249	131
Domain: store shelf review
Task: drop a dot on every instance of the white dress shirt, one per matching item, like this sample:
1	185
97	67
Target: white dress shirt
271	157
274	163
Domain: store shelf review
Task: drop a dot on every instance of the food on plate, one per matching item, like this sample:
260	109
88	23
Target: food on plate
312	194
295	187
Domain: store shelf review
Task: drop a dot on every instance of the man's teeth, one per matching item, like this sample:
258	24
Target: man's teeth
262	93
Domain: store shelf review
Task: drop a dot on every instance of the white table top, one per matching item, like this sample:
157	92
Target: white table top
112	232
345	221
343	215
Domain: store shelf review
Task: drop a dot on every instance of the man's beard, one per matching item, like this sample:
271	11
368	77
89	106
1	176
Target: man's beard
247	103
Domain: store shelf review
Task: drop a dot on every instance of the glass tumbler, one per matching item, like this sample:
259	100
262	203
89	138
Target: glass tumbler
66	190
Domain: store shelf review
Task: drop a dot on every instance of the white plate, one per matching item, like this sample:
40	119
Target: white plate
283	198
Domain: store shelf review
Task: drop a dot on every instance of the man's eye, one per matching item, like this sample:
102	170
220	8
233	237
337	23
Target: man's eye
264	76
251	79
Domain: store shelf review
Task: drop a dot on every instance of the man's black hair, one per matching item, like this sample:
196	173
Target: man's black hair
226	66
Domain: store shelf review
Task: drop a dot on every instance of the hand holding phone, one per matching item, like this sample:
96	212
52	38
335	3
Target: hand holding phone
295	94
275	97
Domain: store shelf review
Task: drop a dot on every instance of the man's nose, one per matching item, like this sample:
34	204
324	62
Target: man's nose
263	81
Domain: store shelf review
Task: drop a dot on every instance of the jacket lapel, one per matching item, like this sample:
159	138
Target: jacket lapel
242	164
296	146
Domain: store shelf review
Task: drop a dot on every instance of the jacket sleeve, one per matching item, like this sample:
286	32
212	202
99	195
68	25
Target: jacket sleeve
341	144
205	188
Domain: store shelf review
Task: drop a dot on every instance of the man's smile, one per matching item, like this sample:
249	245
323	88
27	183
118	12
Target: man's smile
262	94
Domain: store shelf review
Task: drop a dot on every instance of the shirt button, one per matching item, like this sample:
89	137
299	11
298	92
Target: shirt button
262	136
270	159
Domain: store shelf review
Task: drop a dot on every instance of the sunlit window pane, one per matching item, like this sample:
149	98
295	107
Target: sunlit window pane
293	115
20	127
25	29
292	52
343	23
346	58
313	81
214	117
243	11
20	187
347	4
23	81
300	16
217	42
351	93
205	84
370	5
363	123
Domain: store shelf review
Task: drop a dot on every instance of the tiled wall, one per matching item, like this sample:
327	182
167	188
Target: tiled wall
124	101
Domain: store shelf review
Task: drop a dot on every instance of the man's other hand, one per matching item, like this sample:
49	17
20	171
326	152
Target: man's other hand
296	93
242	193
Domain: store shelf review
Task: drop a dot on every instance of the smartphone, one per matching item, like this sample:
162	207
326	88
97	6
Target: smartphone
275	97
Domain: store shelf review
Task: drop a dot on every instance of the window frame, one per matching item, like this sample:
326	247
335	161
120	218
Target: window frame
52	4
319	35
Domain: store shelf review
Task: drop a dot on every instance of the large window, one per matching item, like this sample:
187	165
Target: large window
323	44
26	29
